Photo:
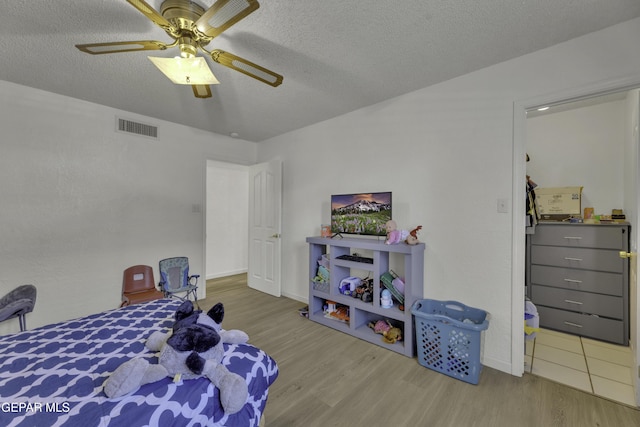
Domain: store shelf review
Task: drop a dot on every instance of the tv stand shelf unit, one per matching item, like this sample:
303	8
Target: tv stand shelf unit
362	313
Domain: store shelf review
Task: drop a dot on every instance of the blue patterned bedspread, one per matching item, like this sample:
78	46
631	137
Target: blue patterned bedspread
53	376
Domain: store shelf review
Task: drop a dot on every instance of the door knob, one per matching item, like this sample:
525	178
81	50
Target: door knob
624	254
277	236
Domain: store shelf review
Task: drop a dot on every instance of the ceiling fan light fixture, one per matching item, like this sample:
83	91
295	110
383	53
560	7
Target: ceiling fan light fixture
191	27
186	71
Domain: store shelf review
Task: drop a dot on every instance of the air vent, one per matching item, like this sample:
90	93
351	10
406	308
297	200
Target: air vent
142	129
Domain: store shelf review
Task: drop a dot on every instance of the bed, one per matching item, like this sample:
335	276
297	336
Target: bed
54	375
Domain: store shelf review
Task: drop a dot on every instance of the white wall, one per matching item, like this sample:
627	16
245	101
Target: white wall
227	219
581	147
447	153
81	202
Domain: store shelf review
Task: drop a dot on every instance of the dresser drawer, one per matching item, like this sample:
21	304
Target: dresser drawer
582	236
578	280
587	259
582	324
583	302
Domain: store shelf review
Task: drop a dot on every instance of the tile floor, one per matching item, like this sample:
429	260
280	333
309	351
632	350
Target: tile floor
593	366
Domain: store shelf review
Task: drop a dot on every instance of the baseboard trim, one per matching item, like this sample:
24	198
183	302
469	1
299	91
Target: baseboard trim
498	364
299	298
225	274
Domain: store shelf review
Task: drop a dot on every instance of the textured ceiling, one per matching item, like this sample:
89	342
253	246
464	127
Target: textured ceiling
336	56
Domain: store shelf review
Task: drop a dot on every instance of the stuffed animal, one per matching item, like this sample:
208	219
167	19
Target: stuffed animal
412	238
193	348
380	327
390	334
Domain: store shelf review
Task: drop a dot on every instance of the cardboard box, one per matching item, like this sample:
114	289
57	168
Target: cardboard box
559	202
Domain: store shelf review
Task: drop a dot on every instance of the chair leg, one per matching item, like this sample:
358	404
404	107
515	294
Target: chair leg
186	297
195	299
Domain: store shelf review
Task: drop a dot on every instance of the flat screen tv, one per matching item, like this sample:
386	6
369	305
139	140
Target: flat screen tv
360	213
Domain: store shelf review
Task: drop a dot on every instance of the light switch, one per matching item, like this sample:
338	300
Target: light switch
503	206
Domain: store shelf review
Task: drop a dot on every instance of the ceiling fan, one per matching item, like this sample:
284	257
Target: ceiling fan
192	28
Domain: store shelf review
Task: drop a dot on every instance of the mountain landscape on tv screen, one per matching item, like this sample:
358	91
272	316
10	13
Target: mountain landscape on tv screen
363	206
363	216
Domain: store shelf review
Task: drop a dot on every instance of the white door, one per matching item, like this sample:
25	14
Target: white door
265	217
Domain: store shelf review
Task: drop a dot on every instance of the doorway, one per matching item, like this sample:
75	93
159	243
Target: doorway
240	200
622	105
227	213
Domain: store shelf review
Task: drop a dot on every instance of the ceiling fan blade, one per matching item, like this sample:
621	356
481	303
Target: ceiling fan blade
201	91
152	14
246	67
115	47
223	14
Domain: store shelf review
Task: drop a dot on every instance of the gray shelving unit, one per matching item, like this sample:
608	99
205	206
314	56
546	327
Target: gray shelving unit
385	258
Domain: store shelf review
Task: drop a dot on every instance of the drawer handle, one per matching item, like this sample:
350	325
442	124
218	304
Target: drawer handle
573	324
572	259
573	237
573	280
573	302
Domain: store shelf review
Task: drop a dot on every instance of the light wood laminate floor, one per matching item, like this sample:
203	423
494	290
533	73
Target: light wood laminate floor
328	378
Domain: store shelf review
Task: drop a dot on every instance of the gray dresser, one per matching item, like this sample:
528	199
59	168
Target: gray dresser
578	281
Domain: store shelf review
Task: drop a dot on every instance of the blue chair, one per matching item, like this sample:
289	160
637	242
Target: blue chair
175	279
18	303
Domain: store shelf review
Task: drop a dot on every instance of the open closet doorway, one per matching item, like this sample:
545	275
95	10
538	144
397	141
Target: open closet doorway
592	142
227	213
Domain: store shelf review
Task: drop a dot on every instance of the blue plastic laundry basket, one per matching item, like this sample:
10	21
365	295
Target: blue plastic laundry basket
448	337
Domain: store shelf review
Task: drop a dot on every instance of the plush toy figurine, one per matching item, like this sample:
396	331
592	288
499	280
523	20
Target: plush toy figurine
390	334
194	348
412	238
380	327
395	236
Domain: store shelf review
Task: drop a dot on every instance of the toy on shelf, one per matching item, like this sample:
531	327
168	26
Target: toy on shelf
385	300
412	238
395	285
364	292
390	334
336	312
395	236
323	270
341	313
348	285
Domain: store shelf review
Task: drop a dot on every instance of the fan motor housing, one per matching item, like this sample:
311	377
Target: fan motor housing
182	10
183	14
